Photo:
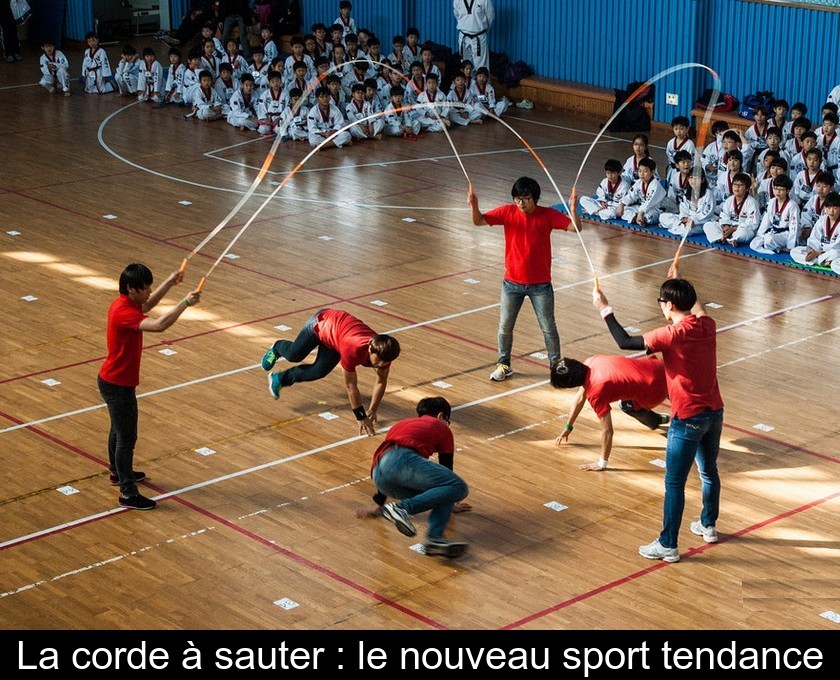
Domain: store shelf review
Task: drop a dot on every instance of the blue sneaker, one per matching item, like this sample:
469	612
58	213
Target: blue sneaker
269	359
274	385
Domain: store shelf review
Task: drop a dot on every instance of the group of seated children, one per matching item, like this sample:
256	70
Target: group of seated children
773	188
311	94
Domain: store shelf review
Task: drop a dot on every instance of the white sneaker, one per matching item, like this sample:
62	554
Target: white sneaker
525	104
709	534
501	372
656	551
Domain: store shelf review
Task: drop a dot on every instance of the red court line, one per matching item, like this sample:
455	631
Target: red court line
661	565
231	525
54	439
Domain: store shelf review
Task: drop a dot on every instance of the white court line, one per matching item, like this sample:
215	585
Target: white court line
287	195
342	442
234	371
778	347
15	87
563	127
211	154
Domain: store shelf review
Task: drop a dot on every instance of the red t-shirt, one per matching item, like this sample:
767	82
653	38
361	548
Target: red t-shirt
425	434
347	335
527	241
616	378
689	352
125	343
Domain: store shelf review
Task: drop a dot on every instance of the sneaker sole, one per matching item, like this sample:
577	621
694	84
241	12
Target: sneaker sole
451	551
671	559
271	388
713	539
131	507
117	482
402	527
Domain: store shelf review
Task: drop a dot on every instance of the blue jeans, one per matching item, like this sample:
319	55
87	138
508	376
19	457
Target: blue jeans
325	361
542	299
420	484
696	438
122	407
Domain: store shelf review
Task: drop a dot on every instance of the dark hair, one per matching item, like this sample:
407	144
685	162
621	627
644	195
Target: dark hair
136	276
648	163
742	178
832	200
257	49
814	152
430	76
246	77
761	109
613	165
91	34
526	186
357	87
296	40
299	64
830	106
483	70
771	154
731	134
784	182
275	74
399	39
831	117
366	31
320	91
779	163
704	185
225	66
412	31
774	131
809	134
396	89
568	373
175	51
129	49
332	78
309	36
802	122
781	102
264	26
434	406
824	177
799	106
345	4
351	37
465	62
719	126
735	153
680	293
681	155
295	92
318	26
147	51
427	47
386	347
681	120
459	74
374	41
205	74
320	61
370	82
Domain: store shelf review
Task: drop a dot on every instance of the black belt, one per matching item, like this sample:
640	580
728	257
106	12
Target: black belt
475	35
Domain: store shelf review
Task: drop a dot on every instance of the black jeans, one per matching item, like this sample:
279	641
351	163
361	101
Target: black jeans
325	361
122	407
11	44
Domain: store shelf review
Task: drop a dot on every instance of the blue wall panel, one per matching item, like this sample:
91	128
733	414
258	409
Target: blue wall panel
385	18
79	19
177	9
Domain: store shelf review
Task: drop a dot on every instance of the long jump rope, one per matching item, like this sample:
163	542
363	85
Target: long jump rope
702	132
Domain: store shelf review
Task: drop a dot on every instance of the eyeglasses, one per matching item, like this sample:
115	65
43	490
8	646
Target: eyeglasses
522	199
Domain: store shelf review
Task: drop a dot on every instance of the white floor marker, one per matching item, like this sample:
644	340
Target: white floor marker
442	384
205	451
418	547
472	281
185	202
67	490
110	217
658	462
763	427
29	298
51	382
554	505
13	233
283	327
408	219
378	303
834	617
286	603
326	238
539	355
231	256
632	329
167	352
713	305
328	415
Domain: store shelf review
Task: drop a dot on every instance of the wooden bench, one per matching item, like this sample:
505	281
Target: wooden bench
731	118
562	94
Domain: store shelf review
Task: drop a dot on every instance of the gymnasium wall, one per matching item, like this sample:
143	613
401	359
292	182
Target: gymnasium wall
792	51
610	43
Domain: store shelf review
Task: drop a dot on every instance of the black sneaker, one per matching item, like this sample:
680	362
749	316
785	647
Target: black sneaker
137	502
447	548
114	478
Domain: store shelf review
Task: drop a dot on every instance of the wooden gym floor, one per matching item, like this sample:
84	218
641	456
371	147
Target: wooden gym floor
89	184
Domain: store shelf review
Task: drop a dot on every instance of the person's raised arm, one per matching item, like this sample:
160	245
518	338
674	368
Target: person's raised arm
161	290
477	217
622	338
163	322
